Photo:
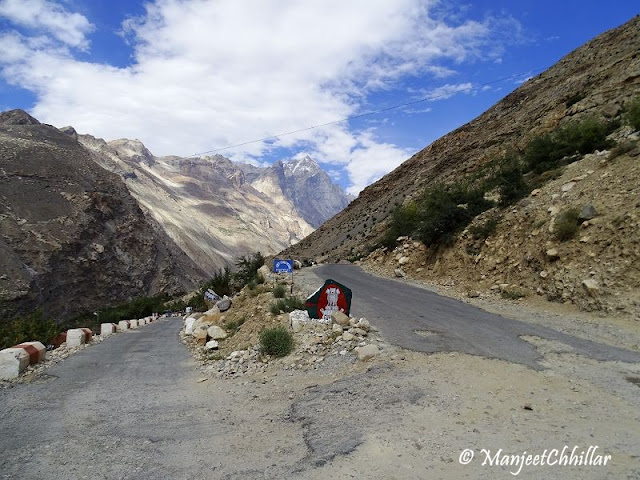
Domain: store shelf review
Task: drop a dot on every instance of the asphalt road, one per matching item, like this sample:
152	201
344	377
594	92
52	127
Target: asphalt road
131	407
421	320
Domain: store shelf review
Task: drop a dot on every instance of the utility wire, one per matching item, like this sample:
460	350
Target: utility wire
361	115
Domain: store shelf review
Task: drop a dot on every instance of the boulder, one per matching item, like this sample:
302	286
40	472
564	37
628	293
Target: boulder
216	332
587	213
265	273
340	318
347	337
552	254
12	362
224	304
188	325
211	345
200	332
364	324
297	264
212	311
591	286
367	352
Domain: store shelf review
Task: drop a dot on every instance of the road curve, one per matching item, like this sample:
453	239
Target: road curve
443	324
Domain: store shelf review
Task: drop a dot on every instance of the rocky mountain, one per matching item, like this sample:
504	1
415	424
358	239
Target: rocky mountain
206	205
72	237
595	270
306	185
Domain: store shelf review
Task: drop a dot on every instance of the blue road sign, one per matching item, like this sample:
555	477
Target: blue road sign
283	266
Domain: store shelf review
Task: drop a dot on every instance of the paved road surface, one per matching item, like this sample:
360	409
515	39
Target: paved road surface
131	407
400	310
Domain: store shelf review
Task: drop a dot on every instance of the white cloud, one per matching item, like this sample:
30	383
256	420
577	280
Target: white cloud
207	74
48	16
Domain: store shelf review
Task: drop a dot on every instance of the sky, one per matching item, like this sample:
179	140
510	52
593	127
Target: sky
192	77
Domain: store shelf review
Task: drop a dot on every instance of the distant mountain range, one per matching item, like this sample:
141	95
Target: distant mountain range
215	209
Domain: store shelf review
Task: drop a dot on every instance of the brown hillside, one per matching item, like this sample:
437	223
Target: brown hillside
598	79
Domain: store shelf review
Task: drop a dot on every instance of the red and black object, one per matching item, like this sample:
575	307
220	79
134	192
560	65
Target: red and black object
332	296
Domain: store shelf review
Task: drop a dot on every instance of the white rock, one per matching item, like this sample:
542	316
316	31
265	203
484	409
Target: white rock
399	273
188	325
364	324
403	260
12	362
568	186
337	328
367	352
211	345
340	318
216	332
358	331
347	337
224	304
591	286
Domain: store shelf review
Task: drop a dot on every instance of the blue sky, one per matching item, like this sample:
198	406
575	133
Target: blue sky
194	76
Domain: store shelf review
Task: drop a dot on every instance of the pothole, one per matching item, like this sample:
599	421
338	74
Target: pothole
634	380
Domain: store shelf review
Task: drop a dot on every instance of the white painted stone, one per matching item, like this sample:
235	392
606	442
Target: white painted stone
141	322
107	329
188	325
36	351
123	325
12	362
75	337
133	323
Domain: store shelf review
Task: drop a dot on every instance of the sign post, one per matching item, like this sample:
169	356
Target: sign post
284	266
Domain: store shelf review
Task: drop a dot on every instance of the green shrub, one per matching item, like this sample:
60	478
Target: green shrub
276	341
549	151
632	115
248	270
566	224
485	229
31	328
279	291
512	294
508	178
288	304
443	212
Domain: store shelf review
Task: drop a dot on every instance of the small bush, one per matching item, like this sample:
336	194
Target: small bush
485	229
632	116
279	291
566	224
288	304
512	294
276	341
509	179
31	328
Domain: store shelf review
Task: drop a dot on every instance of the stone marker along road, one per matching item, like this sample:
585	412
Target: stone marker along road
423	321
131	407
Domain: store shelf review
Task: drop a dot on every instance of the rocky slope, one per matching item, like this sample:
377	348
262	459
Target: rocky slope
72	237
598	79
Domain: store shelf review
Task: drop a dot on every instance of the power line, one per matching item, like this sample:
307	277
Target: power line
361	115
